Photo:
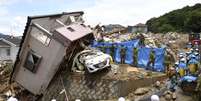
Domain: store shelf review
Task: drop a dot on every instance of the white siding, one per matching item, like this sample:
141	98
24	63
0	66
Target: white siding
3	54
52	55
13	52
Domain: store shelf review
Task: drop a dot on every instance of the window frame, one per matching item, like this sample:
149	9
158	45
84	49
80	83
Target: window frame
36	65
45	43
8	53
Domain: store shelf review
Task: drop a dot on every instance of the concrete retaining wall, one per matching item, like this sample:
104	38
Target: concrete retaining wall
93	88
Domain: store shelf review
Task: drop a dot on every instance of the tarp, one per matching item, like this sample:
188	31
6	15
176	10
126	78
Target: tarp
129	55
159	59
108	47
188	78
128	45
143	56
117	54
133	43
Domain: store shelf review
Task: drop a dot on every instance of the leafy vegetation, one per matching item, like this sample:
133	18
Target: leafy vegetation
187	19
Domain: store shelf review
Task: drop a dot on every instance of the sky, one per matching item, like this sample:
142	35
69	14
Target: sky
13	13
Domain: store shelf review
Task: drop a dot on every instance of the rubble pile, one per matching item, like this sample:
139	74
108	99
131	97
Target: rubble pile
6	89
119	37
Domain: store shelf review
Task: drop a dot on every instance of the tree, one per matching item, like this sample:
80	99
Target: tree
187	19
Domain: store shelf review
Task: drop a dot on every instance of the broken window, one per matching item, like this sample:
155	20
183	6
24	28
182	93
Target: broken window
32	61
42	38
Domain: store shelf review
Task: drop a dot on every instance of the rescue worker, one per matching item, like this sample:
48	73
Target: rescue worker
187	56
176	66
183	70
123	54
167	63
151	60
193	65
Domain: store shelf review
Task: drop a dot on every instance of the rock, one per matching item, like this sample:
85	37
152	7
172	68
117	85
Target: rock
174	96
157	84
141	91
2	98
168	97
132	69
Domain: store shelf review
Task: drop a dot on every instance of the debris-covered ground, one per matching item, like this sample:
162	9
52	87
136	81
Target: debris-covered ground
171	40
73	61
6	88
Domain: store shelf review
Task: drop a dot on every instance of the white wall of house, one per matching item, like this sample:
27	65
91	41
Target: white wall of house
8	56
14	50
51	55
4	55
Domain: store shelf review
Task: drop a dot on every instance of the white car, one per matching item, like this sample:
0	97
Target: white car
92	59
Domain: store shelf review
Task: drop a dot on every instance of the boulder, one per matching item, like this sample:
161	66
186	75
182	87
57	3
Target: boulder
141	91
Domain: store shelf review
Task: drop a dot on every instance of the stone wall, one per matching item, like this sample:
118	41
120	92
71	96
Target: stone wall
93	87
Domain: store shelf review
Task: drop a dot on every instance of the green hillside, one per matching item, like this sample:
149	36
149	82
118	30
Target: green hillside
187	19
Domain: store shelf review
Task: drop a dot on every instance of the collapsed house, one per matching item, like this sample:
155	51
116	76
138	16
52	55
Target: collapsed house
45	41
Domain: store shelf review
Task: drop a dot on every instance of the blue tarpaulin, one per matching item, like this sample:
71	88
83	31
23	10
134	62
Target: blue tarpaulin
159	59
108	47
129	45
117	54
133	43
188	78
143	53
143	56
129	55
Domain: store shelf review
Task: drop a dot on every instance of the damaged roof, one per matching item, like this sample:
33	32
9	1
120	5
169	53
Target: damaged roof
4	44
74	31
54	15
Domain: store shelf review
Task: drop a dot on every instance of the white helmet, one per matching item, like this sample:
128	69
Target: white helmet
188	52
196	53
12	99
183	59
155	98
121	99
53	100
77	100
177	63
180	55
